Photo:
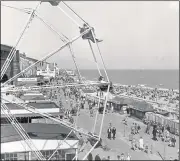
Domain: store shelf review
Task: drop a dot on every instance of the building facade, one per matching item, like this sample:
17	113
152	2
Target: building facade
47	69
14	67
26	62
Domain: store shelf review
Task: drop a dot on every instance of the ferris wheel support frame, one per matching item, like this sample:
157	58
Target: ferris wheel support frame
99	70
88	40
75	22
13	50
64	39
80	26
96	115
20	130
95	58
46	115
60	145
101	126
105	70
46	57
73	57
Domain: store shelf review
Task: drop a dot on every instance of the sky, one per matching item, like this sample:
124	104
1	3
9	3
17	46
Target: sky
136	34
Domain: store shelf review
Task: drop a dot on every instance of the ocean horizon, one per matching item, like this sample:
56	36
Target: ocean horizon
168	78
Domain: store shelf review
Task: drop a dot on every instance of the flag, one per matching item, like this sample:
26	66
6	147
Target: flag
54	3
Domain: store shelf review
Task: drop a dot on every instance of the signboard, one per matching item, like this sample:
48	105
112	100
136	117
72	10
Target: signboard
27	79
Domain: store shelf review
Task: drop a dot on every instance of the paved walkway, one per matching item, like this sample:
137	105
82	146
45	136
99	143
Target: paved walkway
121	144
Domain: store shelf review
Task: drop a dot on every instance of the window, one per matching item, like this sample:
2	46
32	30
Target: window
9	156
70	156
59	155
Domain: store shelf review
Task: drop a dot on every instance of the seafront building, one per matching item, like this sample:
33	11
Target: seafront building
14	67
48	70
45	137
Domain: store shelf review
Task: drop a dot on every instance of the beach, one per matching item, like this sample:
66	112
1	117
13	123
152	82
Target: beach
168	79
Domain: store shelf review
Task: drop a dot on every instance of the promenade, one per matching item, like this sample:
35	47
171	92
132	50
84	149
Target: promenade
122	144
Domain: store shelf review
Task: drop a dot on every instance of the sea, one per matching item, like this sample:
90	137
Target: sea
168	79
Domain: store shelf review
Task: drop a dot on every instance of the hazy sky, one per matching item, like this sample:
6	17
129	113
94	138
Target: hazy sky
136	34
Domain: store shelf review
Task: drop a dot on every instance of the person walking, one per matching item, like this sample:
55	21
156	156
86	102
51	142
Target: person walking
109	133
90	157
97	157
128	157
141	143
154	133
122	157
114	132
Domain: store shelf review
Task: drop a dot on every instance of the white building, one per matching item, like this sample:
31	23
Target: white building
45	137
47	70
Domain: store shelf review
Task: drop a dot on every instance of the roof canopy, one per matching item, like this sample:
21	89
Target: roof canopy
143	106
138	105
37	131
121	100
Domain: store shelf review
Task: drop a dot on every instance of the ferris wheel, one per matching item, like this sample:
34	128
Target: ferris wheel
87	34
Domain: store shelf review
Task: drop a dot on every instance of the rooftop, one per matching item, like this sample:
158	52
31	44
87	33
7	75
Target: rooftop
44	107
37	131
41	105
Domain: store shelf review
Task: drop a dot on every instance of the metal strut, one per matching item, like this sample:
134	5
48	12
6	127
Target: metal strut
44	58
63	39
21	131
13	50
46	115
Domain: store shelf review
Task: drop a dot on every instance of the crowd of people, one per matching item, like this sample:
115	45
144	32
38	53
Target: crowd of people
152	94
78	101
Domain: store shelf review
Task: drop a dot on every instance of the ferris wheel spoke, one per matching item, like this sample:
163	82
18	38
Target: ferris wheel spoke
59	144
24	10
75	13
72	126
104	67
21	131
13	50
51	27
44	58
64	39
75	22
46	115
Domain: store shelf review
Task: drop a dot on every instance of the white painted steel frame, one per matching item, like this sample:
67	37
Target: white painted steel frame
70	43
